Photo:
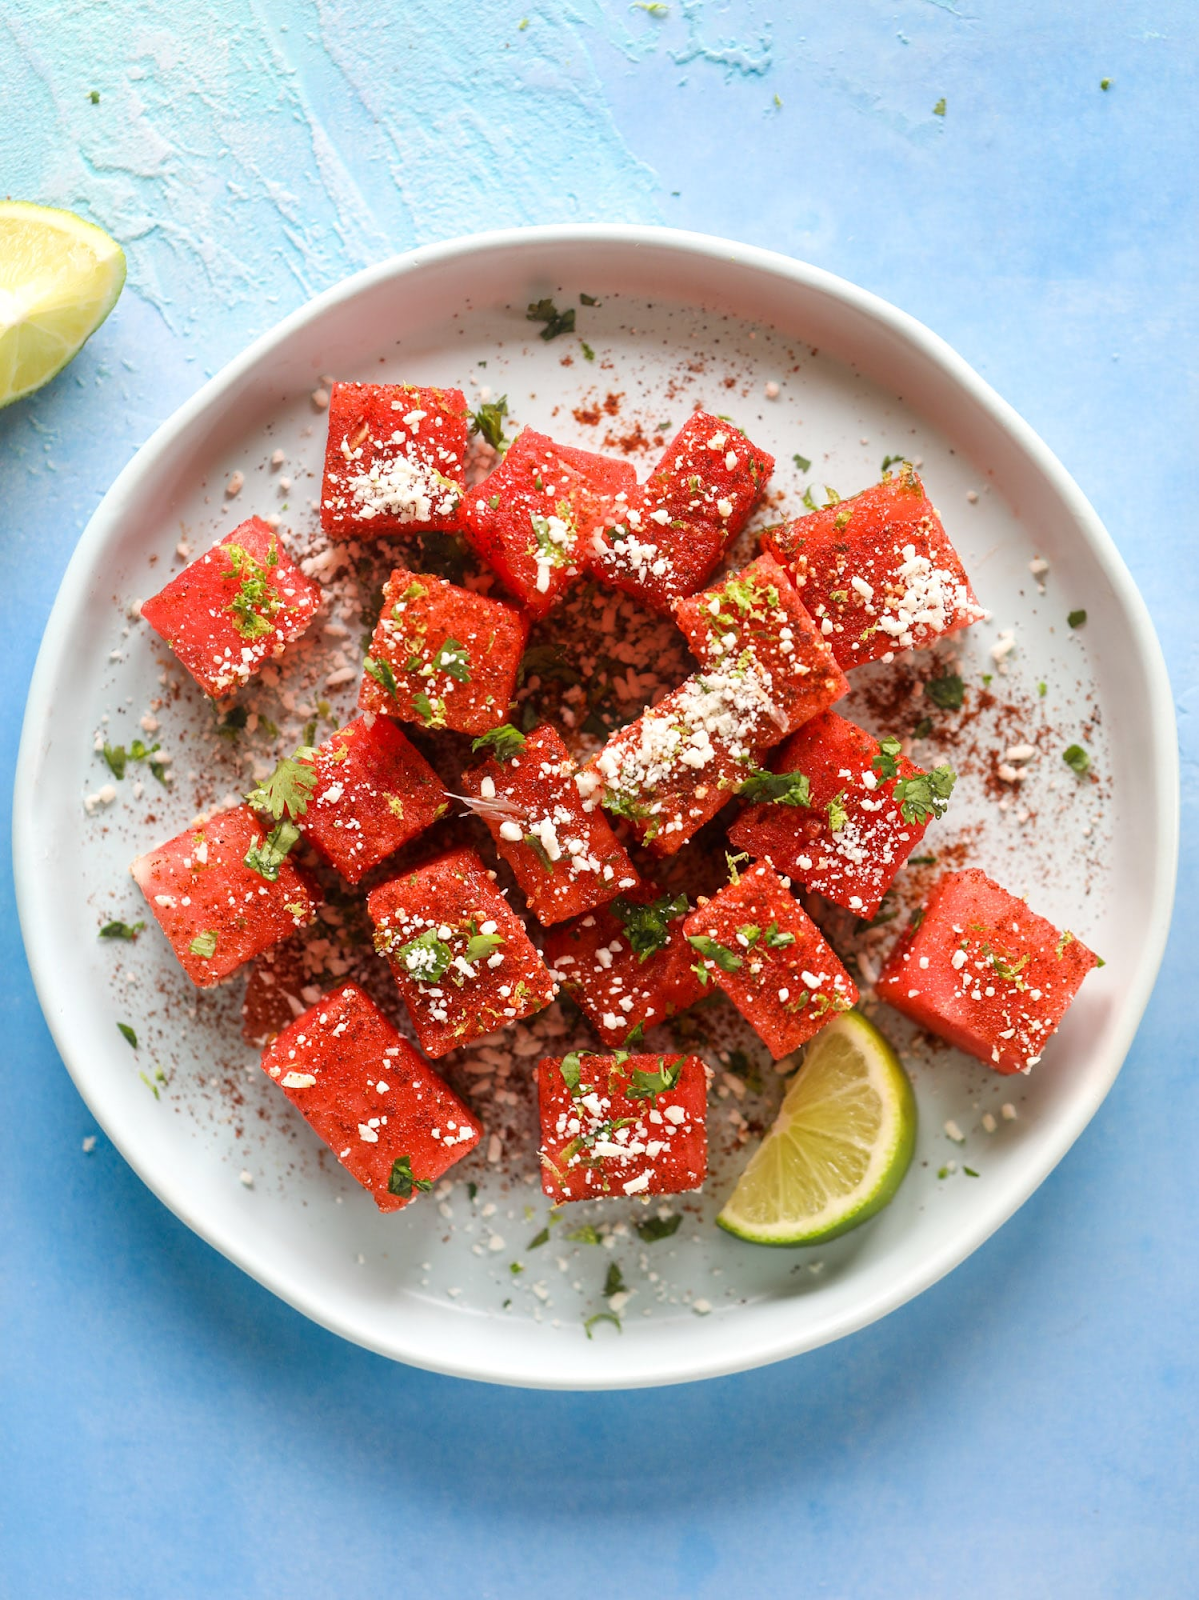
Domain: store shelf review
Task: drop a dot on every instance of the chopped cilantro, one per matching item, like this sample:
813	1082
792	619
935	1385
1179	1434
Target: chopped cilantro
288	789
1042	689
432	712
987	679
538	1239
1067	938
121	930
381	672
472	1191
970	1172
646	926
922	861
916	918
926	795
127	1033
652	8
649	1085
942	1172
614	1281
503	742
489	421
838	816
923	728
885	765
535	845
775	938
802	463
1104	83
588	300
257	599
777	788
588	352
584	1235
94	94
1076	618
556	321
635	1037
1077	759
229	726
400	1180
831	498
424	958
454	660
809	499
204	944
750	933
892	461
733	862
947	691
655	1228
601	1316
939	108
481	945
726	960
266	857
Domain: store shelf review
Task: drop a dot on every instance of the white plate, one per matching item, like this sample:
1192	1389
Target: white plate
1100	859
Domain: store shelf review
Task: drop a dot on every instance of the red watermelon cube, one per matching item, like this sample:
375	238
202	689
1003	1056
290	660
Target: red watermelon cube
395	461
374	1100
533	518
978	968
622	1125
838	825
235	608
219	896
672	769
374	791
565	857
464	964
627	966
676	528
753	622
877	571
757	943
442	656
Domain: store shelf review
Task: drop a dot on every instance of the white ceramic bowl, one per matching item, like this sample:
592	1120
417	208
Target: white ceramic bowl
880	382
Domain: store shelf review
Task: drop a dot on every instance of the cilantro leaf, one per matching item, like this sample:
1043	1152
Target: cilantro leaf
1076	619
539	850
645	926
257	599
503	742
776	939
947	691
538	1239
288	789
127	1033
655	1228
265	857
1077	759
481	945
892	461
121	930
204	944
649	1085
838	816
926	795
400	1180
556	321
776	788
802	463
584	1235
726	960
115	756
614	1282
432	712
489	421
454	660
381	672
424	958
809	499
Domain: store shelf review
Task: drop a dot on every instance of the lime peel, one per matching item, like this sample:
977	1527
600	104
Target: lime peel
839	1148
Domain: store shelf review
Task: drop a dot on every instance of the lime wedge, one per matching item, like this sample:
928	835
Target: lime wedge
840	1145
59	278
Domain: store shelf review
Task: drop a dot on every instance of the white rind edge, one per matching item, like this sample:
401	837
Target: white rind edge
1162	736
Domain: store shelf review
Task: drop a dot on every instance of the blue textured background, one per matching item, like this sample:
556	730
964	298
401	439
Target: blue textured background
1028	1427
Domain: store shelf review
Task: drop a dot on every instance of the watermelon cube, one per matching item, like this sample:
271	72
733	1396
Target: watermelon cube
533	518
979	969
754	622
676	528
627	966
461	957
830	816
395	461
374	791
374	1100
221	896
565	856
877	571
757	943
672	769
234	608
622	1125
442	656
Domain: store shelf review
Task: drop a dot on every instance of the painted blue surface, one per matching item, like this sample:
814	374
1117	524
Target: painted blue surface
1028	1426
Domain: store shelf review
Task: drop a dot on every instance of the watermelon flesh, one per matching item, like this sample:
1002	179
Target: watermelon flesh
216	911
395	460
374	1100
234	608
613	1126
981	970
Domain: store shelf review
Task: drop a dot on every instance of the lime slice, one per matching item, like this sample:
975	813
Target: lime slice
840	1145
59	278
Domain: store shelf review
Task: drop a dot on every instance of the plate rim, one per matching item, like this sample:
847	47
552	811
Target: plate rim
919	340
